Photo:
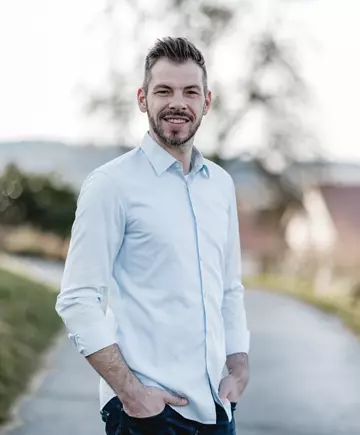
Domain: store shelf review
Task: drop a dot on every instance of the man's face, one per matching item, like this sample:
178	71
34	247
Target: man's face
175	101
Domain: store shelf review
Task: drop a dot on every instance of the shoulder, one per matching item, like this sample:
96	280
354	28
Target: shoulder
115	172
223	183
119	168
219	175
108	181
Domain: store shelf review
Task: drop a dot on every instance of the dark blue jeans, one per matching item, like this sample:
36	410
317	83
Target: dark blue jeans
169	422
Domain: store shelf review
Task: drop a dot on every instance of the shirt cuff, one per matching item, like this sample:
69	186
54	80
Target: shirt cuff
98	336
237	342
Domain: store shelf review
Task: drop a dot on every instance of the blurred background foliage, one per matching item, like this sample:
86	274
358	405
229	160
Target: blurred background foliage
38	200
266	74
36	213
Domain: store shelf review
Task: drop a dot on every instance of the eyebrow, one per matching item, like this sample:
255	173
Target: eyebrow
162	86
197	87
169	87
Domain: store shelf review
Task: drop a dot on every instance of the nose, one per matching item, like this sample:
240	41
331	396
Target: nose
177	101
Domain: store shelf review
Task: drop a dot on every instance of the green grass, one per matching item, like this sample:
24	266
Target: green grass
304	290
28	322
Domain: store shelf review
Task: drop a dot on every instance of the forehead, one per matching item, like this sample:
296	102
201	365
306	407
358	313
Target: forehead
176	75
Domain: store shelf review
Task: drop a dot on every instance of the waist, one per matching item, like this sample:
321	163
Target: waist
201	397
114	406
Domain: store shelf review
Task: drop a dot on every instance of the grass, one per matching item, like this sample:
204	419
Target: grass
25	240
304	290
28	322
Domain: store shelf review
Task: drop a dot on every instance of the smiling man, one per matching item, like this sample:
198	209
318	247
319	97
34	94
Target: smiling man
156	231
174	123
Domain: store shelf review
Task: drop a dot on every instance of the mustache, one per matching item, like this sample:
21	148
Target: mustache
176	113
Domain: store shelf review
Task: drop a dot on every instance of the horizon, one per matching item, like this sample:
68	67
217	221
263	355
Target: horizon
242	155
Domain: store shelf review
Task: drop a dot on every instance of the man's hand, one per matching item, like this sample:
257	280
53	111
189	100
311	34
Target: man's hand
138	400
151	401
233	385
230	389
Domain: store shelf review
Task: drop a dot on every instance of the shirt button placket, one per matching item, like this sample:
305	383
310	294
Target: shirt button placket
204	293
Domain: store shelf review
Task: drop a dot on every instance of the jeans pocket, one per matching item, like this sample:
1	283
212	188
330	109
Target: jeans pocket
148	424
112	415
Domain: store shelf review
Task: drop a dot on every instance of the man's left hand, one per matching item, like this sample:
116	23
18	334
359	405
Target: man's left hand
234	384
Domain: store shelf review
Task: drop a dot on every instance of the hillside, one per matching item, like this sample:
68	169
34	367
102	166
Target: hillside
72	163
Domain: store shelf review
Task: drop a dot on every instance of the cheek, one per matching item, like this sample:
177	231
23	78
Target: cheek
157	109
197	110
151	106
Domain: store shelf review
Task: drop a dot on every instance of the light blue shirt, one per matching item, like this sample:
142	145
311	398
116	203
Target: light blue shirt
164	252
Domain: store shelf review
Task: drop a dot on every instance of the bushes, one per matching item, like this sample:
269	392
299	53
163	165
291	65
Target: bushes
36	200
28	322
27	241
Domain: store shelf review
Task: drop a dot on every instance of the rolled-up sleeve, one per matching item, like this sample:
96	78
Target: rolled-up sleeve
237	335
96	239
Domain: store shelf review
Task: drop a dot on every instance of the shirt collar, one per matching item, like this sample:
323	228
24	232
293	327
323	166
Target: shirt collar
161	160
198	162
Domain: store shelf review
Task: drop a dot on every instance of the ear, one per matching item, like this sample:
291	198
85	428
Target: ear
207	104
141	98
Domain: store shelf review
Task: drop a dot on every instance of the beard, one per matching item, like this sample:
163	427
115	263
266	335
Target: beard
171	139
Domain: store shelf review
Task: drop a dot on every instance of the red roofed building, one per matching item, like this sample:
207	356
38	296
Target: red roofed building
330	225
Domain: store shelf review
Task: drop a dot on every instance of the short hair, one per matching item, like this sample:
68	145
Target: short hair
176	50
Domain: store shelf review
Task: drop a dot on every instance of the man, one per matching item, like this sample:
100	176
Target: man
156	232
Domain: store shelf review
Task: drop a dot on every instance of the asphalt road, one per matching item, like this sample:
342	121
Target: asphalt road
305	376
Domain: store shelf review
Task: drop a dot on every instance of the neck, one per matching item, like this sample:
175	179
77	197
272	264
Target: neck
181	153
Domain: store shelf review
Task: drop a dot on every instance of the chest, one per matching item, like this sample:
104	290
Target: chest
177	212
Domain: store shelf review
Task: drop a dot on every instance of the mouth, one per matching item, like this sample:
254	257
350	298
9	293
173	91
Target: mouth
177	120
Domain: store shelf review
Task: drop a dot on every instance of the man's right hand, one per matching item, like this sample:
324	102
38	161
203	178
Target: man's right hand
151	401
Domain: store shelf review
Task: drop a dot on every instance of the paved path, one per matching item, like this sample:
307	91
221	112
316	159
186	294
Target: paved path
63	397
305	369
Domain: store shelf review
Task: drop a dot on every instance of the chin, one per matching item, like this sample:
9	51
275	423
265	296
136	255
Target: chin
178	137
178	134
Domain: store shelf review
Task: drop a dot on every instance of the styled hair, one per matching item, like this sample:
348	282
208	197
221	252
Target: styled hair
176	50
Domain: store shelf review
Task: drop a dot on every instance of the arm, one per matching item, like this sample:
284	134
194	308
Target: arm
96	240
111	366
237	336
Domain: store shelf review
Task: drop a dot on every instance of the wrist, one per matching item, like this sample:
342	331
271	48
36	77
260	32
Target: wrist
132	391
236	376
238	366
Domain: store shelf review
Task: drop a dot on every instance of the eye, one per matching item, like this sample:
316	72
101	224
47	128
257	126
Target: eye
163	92
193	93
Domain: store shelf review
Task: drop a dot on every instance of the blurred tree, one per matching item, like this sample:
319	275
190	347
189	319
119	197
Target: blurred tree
199	21
36	200
266	81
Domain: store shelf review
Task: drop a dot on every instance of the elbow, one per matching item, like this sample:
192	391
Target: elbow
61	306
77	307
66	306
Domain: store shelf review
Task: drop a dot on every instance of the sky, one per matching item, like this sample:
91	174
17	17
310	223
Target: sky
51	52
